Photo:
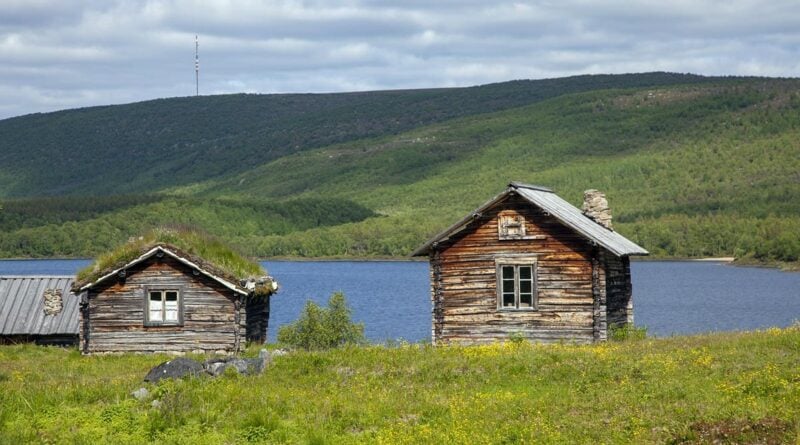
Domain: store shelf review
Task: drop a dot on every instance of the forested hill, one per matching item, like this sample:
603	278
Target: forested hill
692	166
148	146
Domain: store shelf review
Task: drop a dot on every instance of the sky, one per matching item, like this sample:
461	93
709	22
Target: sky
65	54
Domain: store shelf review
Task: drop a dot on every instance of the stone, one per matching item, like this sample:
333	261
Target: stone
53	303
174	369
595	206
141	394
156	403
242	365
278	352
215	367
245	366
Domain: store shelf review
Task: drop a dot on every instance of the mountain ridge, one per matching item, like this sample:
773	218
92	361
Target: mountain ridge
692	168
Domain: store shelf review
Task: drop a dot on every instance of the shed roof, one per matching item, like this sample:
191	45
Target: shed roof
548	201
22	306
204	268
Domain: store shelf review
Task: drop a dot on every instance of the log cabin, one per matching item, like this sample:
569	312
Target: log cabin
166	299
528	264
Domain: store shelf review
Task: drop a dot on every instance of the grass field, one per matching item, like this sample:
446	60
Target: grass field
733	387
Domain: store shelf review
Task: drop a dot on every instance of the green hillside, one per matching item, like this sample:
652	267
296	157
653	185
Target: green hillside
695	168
147	146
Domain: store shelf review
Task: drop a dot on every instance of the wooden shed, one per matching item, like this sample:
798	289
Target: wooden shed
166	299
528	263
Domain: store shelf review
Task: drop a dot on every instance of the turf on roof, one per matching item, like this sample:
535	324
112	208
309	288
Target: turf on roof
207	251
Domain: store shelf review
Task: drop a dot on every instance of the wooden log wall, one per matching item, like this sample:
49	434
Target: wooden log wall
257	311
464	288
113	315
619	290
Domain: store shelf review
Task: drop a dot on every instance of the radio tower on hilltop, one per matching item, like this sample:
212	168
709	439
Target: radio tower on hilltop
196	66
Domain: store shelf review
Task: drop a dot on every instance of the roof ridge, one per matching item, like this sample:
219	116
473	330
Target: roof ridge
541	188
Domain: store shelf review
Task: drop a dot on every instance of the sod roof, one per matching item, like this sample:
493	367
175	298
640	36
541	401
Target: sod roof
207	252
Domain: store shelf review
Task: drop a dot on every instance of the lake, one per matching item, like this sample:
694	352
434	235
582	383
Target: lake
392	297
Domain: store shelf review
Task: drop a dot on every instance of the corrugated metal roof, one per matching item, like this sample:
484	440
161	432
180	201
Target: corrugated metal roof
22	306
557	207
572	217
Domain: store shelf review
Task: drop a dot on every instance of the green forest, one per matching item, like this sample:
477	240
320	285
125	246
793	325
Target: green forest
692	166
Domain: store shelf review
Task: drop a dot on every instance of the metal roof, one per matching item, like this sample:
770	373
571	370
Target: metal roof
557	207
22	306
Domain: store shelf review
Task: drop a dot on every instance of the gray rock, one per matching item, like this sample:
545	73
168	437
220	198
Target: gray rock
156	403
278	352
262	362
215	368
141	393
245	366
174	369
241	365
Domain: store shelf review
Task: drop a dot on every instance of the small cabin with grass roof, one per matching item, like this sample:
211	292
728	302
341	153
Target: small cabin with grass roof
528	264
174	292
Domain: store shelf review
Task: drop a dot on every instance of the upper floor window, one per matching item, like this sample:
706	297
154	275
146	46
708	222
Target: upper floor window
510	225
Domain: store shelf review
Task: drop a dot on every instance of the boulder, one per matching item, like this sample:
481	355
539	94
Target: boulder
245	366
215	367
174	369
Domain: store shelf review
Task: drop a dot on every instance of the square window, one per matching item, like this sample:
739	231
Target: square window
163	307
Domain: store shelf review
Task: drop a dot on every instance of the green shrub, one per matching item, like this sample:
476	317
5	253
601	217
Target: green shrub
627	332
323	328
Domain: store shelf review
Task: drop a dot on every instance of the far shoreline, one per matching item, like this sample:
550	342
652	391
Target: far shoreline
728	261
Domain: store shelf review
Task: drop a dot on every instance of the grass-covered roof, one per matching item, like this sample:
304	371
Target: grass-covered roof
200	248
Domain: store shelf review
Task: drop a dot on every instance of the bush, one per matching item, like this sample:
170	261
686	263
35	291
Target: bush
323	328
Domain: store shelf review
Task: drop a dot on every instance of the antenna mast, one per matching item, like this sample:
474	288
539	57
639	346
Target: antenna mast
196	66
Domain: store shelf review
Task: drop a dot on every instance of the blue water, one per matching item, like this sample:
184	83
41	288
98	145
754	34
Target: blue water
392	297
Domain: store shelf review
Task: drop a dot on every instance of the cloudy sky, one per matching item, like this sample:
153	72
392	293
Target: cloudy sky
63	54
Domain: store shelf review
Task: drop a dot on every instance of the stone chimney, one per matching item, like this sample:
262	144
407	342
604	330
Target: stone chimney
595	206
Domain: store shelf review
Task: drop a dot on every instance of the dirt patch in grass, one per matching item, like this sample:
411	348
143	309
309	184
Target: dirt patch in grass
766	431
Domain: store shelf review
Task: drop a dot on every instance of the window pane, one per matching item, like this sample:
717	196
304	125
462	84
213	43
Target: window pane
508	300
525	300
156	314
525	287
524	272
154	307
172	296
171	313
508	286
508	272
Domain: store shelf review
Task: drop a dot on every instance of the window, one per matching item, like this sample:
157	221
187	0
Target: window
516	283
510	225
163	307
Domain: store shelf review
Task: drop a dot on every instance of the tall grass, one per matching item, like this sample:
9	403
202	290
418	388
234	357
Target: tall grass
641	391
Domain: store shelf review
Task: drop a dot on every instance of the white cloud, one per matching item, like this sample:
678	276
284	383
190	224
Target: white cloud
56	54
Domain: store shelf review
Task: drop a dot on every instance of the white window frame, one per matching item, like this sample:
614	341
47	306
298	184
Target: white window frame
517	261
163	291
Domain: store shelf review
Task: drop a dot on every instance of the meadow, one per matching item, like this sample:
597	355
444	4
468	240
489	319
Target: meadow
732	387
